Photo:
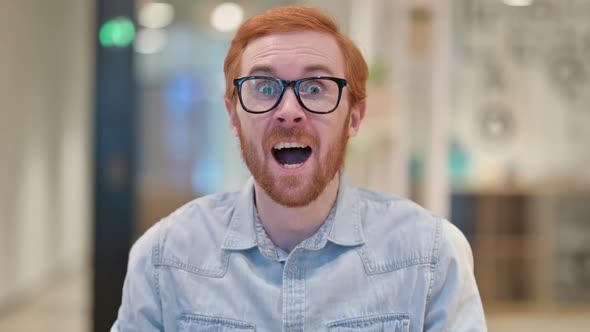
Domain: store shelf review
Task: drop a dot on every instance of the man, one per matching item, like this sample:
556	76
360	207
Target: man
300	247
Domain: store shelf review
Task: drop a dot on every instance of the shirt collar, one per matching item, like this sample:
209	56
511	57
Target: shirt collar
345	229
241	234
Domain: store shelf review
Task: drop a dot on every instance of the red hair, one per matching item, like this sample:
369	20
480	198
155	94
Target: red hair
296	18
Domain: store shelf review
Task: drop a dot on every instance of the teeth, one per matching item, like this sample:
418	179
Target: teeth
283	145
292	165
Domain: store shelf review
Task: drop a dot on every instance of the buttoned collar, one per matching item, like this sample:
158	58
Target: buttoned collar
241	234
343	226
347	229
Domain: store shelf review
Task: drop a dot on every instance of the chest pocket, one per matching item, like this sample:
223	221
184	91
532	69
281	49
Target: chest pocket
200	323
378	323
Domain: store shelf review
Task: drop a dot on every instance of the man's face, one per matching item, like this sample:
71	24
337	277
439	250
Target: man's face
294	176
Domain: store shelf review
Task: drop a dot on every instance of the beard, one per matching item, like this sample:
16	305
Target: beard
294	190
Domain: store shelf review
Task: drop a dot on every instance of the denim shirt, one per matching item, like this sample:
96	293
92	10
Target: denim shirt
378	263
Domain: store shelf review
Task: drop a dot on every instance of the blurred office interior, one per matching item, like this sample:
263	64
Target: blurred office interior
112	116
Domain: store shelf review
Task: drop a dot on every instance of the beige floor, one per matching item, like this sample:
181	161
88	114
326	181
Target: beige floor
66	308
63	308
553	322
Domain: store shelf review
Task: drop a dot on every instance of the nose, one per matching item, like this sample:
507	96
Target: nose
289	111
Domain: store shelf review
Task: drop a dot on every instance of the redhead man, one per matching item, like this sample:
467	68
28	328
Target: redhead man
299	248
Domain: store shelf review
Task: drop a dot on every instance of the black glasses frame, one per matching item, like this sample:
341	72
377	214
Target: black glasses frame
293	84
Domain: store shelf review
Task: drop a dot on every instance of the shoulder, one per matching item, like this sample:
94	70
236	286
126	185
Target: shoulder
400	233
395	219
197	227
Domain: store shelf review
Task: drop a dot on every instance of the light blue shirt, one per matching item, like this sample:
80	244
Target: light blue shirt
378	263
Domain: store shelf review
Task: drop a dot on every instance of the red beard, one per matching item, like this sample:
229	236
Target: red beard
292	190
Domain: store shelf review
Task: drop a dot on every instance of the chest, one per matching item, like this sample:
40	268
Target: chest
311	291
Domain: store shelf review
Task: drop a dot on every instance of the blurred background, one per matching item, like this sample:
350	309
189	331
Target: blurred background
111	116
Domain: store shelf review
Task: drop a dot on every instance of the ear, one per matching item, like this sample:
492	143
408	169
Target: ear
230	106
357	114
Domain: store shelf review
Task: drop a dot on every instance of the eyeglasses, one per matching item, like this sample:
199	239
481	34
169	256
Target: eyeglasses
261	94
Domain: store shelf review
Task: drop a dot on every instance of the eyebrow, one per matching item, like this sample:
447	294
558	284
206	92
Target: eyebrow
270	71
261	69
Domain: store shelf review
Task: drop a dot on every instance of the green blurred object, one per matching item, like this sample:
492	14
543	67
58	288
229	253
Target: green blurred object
117	32
459	163
378	71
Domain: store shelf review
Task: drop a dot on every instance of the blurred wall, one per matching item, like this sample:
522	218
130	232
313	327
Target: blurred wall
46	71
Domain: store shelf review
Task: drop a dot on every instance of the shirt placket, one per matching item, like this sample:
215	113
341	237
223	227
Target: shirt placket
294	292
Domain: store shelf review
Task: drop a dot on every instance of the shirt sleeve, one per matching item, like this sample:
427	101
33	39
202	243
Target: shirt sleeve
454	302
140	306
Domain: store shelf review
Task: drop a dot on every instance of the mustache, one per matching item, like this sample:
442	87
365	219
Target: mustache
294	134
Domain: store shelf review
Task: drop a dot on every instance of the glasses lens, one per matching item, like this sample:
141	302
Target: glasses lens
260	94
319	95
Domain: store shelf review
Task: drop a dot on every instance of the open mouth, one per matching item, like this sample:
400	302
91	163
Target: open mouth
291	155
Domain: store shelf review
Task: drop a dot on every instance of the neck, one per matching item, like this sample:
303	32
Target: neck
288	226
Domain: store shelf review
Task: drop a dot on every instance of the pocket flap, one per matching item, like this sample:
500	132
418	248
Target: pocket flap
201	323
385	322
